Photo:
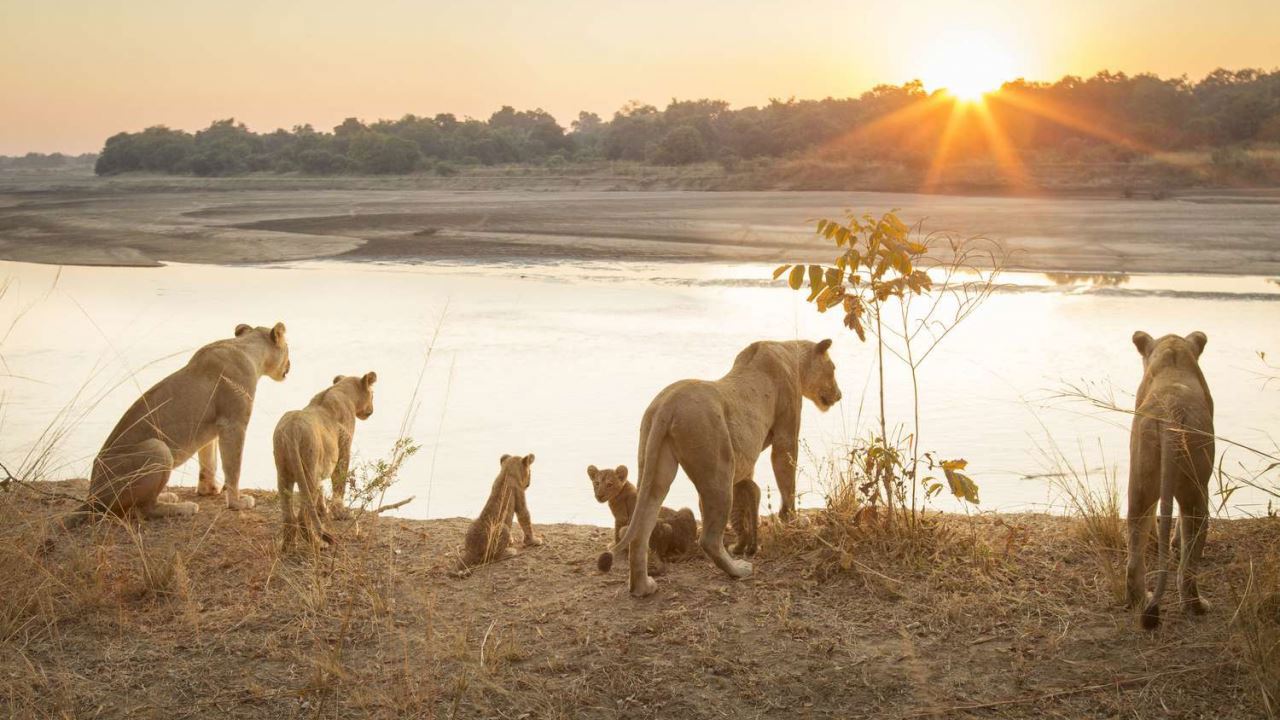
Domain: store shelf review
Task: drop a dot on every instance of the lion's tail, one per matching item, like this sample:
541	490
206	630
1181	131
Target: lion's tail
1168	476
62	526
658	430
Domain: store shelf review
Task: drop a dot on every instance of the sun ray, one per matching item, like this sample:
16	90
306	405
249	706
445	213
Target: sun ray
934	175
1050	111
1006	155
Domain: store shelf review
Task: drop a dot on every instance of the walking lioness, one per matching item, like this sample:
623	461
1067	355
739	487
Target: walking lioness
207	401
314	443
1171	454
716	430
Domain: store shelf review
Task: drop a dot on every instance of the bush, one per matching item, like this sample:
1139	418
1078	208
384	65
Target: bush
321	162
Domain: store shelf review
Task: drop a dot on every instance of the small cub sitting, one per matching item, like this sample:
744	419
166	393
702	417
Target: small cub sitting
676	532
314	443
489	537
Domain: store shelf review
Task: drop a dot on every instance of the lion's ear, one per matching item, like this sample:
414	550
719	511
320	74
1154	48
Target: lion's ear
369	378
823	346
502	460
1198	340
277	334
528	460
243	328
593	472
622	472
1143	342
337	379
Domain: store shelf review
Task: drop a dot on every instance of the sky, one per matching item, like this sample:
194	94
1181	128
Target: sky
73	72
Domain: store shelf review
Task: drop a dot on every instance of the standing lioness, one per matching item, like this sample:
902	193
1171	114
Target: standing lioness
716	431
314	443
207	401
1171	453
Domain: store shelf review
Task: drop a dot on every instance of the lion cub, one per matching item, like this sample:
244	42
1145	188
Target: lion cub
314	443
489	537
676	531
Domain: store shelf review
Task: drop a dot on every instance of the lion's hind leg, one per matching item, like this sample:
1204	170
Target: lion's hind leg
746	517
710	467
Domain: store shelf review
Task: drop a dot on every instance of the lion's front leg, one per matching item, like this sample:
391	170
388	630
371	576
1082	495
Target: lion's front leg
231	446
784	473
338	480
208	455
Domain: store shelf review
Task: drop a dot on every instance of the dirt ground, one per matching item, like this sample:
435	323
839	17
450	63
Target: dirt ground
1007	616
260	219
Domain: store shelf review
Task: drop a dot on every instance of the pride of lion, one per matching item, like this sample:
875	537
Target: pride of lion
714	429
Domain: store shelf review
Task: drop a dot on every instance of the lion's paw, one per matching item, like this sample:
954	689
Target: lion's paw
739	569
243	502
646	587
167	497
208	489
186	508
339	511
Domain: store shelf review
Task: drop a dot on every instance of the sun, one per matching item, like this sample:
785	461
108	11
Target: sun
967	64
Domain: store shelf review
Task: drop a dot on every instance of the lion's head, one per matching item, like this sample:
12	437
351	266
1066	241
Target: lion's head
1170	351
818	377
515	468
607	483
276	363
361	391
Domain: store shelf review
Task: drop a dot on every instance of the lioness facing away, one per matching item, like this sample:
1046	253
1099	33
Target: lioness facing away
207	401
716	430
1171	453
314	443
489	536
673	536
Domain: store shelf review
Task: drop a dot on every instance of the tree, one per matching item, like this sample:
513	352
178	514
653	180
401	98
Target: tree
681	146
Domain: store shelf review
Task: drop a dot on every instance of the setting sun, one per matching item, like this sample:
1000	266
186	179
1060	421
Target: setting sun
967	65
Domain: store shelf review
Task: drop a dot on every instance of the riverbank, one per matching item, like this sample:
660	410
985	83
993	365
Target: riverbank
994	616
147	221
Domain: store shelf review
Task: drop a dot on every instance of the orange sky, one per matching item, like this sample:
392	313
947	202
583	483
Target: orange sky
75	71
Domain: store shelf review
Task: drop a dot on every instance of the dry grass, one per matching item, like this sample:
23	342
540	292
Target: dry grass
199	616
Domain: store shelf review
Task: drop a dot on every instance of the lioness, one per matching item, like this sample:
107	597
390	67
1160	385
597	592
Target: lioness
205	402
715	431
489	537
314	443
1171	452
673	536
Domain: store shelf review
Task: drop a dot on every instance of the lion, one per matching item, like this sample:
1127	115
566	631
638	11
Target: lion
1171	451
673	536
314	443
716	430
489	537
203	408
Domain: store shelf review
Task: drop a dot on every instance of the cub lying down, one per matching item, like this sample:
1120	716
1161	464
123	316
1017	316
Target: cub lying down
489	537
314	443
675	534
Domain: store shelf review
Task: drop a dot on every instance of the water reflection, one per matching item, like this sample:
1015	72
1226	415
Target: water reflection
1091	279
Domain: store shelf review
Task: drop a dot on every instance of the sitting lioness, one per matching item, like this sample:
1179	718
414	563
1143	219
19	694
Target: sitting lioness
207	401
716	430
489	537
673	536
314	443
1171	453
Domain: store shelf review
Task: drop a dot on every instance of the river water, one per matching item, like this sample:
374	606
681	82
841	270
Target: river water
561	359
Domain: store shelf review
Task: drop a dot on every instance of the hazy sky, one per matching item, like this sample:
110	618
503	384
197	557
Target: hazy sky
73	72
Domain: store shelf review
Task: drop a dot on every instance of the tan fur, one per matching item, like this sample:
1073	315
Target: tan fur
674	535
314	443
203	406
1171	452
716	430
489	537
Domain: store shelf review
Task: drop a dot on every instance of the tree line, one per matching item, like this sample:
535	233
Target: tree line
1110	116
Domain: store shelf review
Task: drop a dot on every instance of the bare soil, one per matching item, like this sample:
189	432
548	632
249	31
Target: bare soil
1006	616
